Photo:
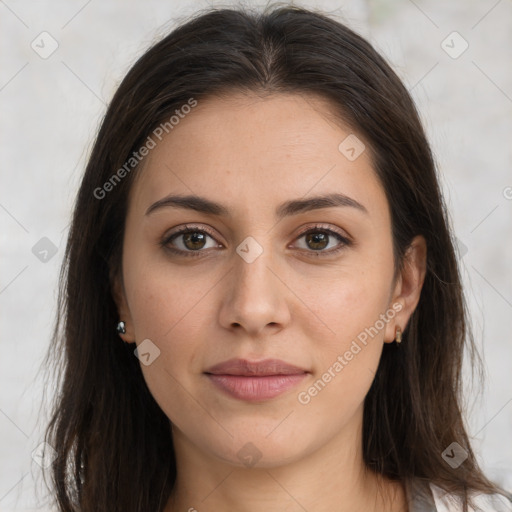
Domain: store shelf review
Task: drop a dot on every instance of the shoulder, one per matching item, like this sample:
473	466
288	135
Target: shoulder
446	502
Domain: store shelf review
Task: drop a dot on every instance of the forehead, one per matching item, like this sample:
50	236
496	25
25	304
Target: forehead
251	150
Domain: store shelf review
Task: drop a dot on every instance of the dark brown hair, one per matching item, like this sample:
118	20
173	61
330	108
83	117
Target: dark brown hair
113	442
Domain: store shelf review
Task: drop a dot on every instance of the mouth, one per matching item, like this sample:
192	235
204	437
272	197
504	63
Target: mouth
255	381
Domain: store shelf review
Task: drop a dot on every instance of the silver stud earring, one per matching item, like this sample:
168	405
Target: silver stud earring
121	327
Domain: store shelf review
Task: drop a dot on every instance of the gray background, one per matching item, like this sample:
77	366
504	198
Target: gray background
51	108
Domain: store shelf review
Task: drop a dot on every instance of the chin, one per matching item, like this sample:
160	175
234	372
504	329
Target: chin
259	451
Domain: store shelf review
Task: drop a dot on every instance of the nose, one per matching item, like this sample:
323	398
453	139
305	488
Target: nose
255	298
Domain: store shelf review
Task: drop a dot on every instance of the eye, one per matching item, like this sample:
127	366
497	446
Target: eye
318	239
192	240
189	241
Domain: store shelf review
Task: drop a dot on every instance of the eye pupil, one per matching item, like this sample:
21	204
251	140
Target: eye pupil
317	238
195	238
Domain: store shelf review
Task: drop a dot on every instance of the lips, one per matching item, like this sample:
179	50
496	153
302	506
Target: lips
243	367
255	381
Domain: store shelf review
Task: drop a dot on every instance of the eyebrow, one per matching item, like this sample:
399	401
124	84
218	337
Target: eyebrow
288	208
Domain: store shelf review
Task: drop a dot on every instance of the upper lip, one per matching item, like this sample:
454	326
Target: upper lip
259	368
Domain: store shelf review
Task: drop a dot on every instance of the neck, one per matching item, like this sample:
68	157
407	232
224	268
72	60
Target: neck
332	478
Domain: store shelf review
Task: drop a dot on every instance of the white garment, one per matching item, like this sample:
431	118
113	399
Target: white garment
431	498
445	502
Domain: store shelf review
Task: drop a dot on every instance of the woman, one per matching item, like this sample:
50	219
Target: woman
261	306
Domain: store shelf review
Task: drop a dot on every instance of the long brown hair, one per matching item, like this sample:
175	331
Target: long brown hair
113	442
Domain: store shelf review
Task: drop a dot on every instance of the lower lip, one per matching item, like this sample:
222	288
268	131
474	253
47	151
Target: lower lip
256	388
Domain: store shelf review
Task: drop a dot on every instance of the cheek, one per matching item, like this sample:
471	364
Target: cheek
164	304
172	306
345	362
170	310
347	332
346	303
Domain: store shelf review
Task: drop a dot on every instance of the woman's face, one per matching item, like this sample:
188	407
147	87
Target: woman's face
271	272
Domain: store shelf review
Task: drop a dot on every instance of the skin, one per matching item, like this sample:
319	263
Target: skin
252	154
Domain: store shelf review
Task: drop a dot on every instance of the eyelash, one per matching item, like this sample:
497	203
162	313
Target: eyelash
345	242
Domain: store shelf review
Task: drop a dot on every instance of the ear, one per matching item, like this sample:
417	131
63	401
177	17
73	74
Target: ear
119	296
408	286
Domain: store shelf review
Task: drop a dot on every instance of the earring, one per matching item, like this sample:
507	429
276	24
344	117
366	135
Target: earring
398	335
121	327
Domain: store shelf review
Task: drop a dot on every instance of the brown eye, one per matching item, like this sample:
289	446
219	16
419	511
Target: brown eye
194	240
317	240
189	241
322	241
